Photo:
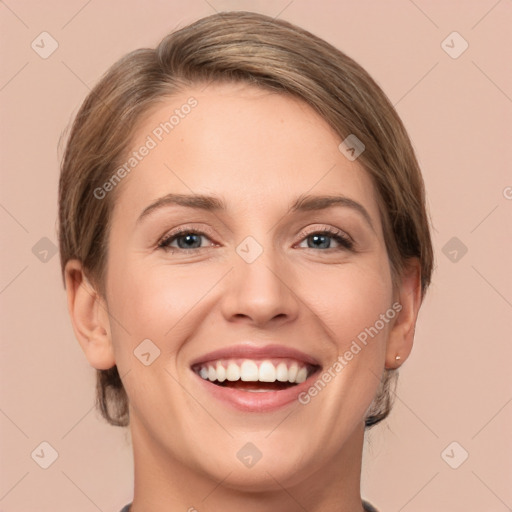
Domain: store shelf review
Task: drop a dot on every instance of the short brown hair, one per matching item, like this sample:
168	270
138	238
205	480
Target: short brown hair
269	53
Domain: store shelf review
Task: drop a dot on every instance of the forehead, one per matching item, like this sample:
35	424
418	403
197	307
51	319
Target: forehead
256	148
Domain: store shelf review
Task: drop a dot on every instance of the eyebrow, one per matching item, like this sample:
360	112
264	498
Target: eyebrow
213	204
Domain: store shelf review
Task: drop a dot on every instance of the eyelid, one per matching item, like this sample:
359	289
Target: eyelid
326	228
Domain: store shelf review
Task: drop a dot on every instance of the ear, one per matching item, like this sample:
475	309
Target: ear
89	317
408	295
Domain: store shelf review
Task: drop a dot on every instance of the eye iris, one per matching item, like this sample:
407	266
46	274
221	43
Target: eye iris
326	238
189	237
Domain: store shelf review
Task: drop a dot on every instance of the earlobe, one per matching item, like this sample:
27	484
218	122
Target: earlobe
89	317
401	336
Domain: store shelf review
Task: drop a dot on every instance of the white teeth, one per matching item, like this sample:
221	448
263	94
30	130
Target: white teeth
267	372
221	372
292	372
282	372
233	372
249	371
301	376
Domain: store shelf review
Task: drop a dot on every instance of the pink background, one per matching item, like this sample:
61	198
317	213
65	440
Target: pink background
455	386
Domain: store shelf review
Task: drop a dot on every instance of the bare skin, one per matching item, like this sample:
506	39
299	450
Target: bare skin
258	151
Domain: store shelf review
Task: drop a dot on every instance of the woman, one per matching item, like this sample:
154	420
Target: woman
245	248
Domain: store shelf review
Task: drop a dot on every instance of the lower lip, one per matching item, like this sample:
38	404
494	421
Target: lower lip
248	401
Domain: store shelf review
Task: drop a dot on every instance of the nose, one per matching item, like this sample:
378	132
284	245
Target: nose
260	292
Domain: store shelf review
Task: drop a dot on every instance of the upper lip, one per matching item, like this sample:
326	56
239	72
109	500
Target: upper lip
253	351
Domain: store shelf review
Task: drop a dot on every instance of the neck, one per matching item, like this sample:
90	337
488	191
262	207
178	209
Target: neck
163	483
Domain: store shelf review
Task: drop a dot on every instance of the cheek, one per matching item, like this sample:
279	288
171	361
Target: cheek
159	302
349	299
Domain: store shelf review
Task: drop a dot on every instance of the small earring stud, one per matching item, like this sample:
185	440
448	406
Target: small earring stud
397	358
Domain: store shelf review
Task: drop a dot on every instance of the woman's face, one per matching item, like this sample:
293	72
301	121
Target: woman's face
252	274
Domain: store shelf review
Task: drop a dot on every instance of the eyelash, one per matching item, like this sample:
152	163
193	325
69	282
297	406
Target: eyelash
344	240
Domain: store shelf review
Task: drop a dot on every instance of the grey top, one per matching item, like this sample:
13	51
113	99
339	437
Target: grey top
366	505
369	507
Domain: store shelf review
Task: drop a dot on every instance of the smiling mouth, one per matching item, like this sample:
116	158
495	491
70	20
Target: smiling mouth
256	375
